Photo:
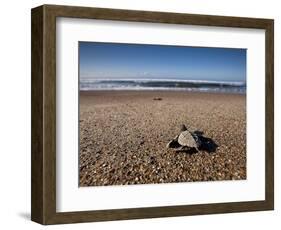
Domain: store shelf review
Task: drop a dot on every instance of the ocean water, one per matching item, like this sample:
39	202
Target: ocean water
152	84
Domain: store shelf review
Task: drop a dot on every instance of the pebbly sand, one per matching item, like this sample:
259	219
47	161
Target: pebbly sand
123	137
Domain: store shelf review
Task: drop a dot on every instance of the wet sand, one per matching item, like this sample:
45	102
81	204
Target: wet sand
123	137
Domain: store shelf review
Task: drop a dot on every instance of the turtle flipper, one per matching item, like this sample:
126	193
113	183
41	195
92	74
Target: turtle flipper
183	149
173	143
186	149
179	149
170	144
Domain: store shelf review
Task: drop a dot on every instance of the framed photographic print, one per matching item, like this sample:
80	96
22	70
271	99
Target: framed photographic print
141	114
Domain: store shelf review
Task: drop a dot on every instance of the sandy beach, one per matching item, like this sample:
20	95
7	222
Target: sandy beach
123	137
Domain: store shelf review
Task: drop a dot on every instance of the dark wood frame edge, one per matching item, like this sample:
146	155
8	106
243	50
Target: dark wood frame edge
43	110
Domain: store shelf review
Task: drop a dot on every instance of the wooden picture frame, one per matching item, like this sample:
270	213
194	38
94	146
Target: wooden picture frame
43	205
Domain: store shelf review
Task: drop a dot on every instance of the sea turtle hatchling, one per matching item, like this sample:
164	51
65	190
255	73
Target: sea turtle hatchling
185	140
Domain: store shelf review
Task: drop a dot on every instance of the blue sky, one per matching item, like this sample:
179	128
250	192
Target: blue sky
137	61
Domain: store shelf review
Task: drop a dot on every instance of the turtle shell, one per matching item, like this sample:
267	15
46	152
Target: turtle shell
186	139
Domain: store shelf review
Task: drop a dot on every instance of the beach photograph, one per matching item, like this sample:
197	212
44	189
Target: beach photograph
151	114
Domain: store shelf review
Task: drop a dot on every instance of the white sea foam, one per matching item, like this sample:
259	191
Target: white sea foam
162	84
